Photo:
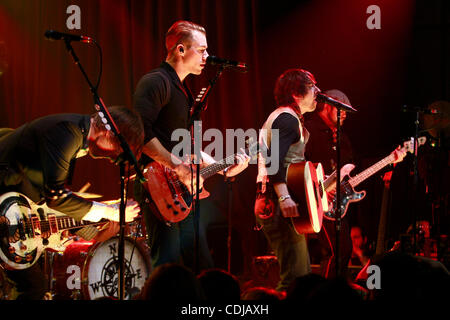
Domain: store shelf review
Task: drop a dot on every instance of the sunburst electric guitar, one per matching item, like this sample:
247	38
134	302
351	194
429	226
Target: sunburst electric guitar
171	197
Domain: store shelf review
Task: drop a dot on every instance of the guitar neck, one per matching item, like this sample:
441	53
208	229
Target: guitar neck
67	223
213	168
371	170
328	181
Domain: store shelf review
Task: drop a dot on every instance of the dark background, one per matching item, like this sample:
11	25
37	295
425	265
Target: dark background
405	62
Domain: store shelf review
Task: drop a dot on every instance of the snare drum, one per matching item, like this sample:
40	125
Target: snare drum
88	270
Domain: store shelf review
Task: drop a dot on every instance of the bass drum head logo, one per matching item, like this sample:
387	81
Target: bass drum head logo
103	270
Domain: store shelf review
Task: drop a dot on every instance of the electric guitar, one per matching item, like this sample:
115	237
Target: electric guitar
27	229
171	197
348	183
305	183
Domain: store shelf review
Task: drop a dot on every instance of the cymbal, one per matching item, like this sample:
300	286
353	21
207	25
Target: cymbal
88	195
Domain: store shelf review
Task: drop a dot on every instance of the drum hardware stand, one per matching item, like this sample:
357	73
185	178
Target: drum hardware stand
199	106
127	155
48	270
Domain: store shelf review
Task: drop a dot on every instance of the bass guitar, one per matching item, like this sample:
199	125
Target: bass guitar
27	229
348	183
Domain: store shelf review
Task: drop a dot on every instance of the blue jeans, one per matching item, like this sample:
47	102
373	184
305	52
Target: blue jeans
174	243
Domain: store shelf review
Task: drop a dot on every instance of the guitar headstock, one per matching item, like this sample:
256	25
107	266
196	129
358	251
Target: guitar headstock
251	148
409	145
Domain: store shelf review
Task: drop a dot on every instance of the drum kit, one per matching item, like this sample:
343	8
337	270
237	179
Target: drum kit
88	270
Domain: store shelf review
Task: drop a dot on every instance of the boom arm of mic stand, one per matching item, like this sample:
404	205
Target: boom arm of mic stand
338	198
200	106
101	107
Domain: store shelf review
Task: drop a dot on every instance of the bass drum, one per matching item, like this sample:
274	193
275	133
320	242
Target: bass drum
88	270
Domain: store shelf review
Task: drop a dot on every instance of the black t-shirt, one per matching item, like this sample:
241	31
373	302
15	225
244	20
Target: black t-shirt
37	160
164	104
289	132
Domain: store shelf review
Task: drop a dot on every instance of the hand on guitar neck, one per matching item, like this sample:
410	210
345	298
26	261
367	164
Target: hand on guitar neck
348	183
399	154
241	160
330	186
185	173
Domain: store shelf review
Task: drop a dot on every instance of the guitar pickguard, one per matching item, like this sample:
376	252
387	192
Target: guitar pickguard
27	229
17	246
348	195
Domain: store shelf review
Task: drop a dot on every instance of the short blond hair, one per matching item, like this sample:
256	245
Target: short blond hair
181	32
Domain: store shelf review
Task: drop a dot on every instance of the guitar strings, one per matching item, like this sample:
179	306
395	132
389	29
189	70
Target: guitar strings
210	169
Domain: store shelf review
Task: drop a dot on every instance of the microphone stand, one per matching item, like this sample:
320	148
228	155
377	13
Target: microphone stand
127	155
416	180
417	111
338	194
340	106
197	109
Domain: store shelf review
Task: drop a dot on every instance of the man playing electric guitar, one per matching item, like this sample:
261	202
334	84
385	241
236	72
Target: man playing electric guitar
36	159
164	100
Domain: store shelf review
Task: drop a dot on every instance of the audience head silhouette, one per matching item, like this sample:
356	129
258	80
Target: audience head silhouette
219	285
172	282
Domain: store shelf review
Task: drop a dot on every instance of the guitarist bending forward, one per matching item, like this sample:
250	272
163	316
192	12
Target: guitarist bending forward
36	160
295	93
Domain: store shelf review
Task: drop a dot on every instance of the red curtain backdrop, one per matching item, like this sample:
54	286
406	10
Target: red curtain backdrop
328	38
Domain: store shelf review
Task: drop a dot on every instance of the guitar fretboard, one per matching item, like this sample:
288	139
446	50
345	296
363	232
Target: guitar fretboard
371	170
67	223
331	178
54	224
212	169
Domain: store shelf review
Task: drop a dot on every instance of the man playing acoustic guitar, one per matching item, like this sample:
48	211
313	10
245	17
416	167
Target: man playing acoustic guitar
295	93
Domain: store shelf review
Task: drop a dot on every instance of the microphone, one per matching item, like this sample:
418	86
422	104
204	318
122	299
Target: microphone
406	108
240	66
321	97
55	35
